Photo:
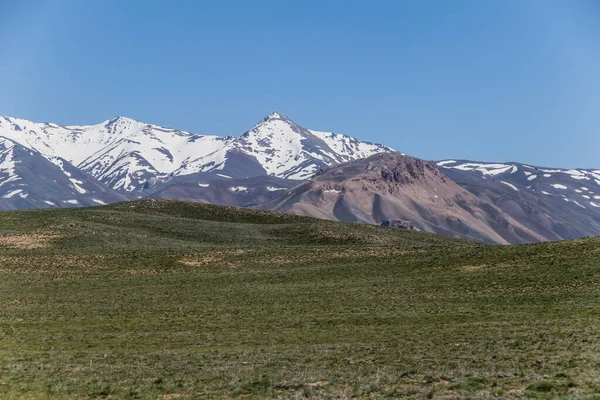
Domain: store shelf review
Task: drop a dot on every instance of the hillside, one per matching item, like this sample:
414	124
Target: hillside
165	299
393	186
557	203
30	180
207	188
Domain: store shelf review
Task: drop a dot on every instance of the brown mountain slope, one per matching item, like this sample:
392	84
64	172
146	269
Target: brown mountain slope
394	186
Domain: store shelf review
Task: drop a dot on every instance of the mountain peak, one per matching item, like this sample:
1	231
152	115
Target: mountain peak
275	115
123	124
265	125
121	120
391	170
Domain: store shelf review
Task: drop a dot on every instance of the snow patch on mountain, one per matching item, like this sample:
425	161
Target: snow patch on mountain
446	162
12	193
484	169
8	163
513	187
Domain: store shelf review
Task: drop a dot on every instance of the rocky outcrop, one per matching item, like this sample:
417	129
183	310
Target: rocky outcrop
400	224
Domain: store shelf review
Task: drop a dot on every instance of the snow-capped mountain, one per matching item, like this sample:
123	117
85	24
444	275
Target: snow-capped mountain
280	148
557	203
128	155
580	187
30	180
287	150
121	152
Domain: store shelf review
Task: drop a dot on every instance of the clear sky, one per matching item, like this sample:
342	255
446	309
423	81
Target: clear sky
493	80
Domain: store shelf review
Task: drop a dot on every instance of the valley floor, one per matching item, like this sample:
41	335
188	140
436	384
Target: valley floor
159	299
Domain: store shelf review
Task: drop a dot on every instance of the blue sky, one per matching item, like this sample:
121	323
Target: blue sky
493	80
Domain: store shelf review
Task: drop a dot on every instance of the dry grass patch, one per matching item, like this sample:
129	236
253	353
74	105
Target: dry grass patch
470	268
55	262
318	383
231	258
141	271
27	241
353	253
333	233
211	258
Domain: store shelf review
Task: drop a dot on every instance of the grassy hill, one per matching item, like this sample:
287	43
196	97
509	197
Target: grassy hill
159	299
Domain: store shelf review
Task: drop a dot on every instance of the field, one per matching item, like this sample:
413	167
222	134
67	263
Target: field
168	300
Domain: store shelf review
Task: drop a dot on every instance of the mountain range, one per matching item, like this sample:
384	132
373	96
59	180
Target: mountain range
128	155
280	165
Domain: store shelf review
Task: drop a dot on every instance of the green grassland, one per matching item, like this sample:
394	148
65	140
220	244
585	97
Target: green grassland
158	299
